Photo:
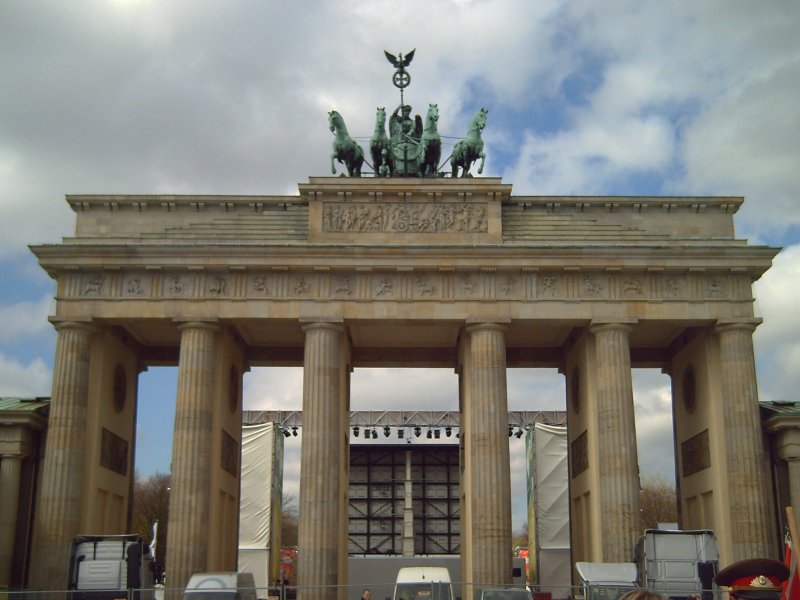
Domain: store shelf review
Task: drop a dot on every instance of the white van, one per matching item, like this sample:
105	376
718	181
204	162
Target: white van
221	586
423	583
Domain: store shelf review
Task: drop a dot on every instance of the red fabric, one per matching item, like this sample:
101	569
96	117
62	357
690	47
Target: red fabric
790	590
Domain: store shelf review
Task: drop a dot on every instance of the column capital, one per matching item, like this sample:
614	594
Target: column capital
208	324
725	325
314	325
602	326
61	324
500	326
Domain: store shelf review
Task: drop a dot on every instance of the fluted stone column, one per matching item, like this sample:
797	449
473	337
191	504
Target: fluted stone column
61	493
617	460
785	432
318	528
189	500
10	470
793	467
491	473
746	474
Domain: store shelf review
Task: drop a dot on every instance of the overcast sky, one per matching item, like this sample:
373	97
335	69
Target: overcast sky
231	97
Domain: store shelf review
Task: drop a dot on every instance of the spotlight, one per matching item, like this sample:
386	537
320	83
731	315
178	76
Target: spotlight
355	431
437	433
448	431
386	431
510	430
417	431
400	433
374	434
286	433
518	434
294	431
430	434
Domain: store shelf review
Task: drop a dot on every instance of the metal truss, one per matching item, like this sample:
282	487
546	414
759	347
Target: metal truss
404	418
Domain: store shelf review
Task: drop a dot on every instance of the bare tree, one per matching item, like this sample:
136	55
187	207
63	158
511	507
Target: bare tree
289	520
659	502
151	505
519	537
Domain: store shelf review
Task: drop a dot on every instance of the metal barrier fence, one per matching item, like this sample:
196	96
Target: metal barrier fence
382	591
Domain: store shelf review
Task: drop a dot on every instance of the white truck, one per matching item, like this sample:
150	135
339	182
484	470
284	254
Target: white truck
677	564
109	567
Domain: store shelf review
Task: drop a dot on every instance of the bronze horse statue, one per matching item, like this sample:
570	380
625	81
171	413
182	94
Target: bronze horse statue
345	149
380	147
468	150
429	150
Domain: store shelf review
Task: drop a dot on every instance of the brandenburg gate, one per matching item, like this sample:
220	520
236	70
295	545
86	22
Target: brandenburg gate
453	273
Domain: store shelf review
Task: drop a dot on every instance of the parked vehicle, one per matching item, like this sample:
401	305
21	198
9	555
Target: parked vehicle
676	563
221	586
505	594
605	581
423	583
102	566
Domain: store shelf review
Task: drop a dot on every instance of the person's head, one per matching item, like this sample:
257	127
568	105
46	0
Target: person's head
754	578
366	594
406	110
640	594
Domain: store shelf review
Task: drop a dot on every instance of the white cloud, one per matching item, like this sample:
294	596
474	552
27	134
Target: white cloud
24	380
24	320
777	340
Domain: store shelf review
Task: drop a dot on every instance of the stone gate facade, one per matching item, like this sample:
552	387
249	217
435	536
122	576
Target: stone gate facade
459	274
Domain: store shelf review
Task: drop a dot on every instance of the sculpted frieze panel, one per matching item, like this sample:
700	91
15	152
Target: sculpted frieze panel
550	286
404	218
135	286
484	284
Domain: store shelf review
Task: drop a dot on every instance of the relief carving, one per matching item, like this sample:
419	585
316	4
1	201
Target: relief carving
469	285
260	284
549	286
385	287
134	287
176	285
671	287
343	286
94	285
509	286
715	288
301	288
591	287
424	288
219	286
113	452
404	218
632	286
579	454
